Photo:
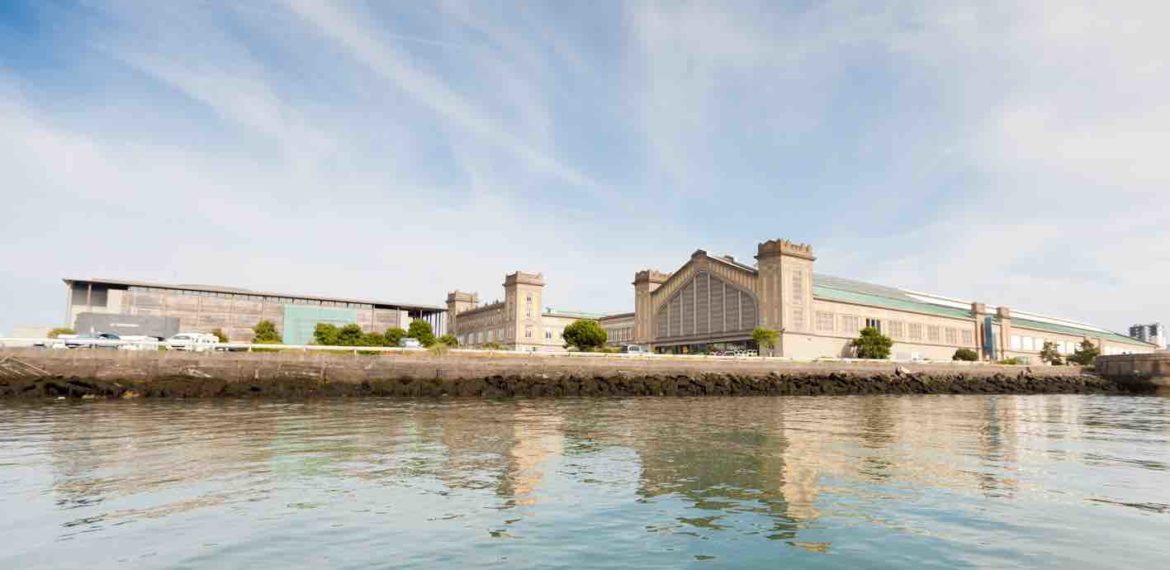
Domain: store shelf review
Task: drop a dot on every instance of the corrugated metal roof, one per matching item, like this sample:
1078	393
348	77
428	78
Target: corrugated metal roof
844	290
1075	331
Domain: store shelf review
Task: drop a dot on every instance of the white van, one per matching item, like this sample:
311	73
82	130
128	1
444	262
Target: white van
409	343
193	342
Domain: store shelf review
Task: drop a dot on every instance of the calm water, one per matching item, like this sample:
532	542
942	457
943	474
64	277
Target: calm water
1072	481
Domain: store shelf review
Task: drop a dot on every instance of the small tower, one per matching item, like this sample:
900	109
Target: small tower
645	283
784	286
523	308
457	302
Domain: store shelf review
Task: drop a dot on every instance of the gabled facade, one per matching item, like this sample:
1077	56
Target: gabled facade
715	302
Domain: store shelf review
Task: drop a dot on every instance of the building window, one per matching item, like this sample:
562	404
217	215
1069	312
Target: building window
1027	344
1016	342
797	318
849	324
952	336
914	331
824	321
932	333
491	335
968	337
548	334
873	323
897	329
527	332
797	287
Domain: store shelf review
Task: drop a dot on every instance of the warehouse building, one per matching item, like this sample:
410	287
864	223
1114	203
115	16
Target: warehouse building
203	308
715	302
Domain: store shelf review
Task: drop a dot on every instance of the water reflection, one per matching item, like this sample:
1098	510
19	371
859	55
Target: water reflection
816	476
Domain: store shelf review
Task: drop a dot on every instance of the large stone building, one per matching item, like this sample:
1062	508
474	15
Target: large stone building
203	308
715	302
519	322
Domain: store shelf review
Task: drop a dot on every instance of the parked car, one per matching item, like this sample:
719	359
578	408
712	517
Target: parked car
139	342
409	343
193	342
634	349
99	340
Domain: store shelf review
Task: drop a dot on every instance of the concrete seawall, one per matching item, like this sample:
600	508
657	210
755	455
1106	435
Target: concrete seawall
120	374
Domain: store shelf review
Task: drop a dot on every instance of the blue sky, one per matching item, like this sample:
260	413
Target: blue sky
1008	152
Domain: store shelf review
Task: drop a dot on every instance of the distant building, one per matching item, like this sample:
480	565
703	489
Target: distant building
1153	333
202	308
714	302
517	323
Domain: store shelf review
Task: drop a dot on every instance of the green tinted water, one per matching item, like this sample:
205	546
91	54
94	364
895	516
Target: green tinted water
1074	481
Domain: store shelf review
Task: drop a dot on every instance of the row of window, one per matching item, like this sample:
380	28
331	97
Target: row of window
249	297
480	337
620	334
1036	344
898	330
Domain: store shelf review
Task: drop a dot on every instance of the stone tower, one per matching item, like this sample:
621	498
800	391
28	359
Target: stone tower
645	283
523	308
784	286
457	302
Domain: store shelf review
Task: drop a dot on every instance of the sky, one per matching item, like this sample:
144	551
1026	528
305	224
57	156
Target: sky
1011	152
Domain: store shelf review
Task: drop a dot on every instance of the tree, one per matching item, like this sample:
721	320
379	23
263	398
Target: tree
394	336
585	335
872	344
1086	354
765	338
965	355
422	332
373	339
219	334
492	345
265	333
60	331
325	334
350	335
448	340
1050	354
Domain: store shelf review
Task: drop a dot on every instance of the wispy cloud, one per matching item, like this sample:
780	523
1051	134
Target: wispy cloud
1008	151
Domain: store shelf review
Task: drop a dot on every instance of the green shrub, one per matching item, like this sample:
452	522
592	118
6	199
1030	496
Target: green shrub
965	355
1013	361
219	334
394	336
265	333
585	335
448	340
1050	354
60	331
872	344
422	332
765	338
1086	354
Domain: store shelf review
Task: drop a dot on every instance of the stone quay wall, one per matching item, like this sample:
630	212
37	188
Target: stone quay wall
1140	370
126	374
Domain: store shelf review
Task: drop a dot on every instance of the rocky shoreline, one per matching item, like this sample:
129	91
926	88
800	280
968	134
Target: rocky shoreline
100	374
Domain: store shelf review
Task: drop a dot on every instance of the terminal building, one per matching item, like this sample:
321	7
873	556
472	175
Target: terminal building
715	302
204	308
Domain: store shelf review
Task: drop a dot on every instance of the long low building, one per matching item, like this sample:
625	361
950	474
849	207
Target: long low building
203	308
715	302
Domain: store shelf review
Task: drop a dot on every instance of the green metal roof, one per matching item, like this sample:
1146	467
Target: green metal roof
1076	331
831	288
848	291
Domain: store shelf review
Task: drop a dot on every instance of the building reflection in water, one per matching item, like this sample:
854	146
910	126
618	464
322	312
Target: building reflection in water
774	467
